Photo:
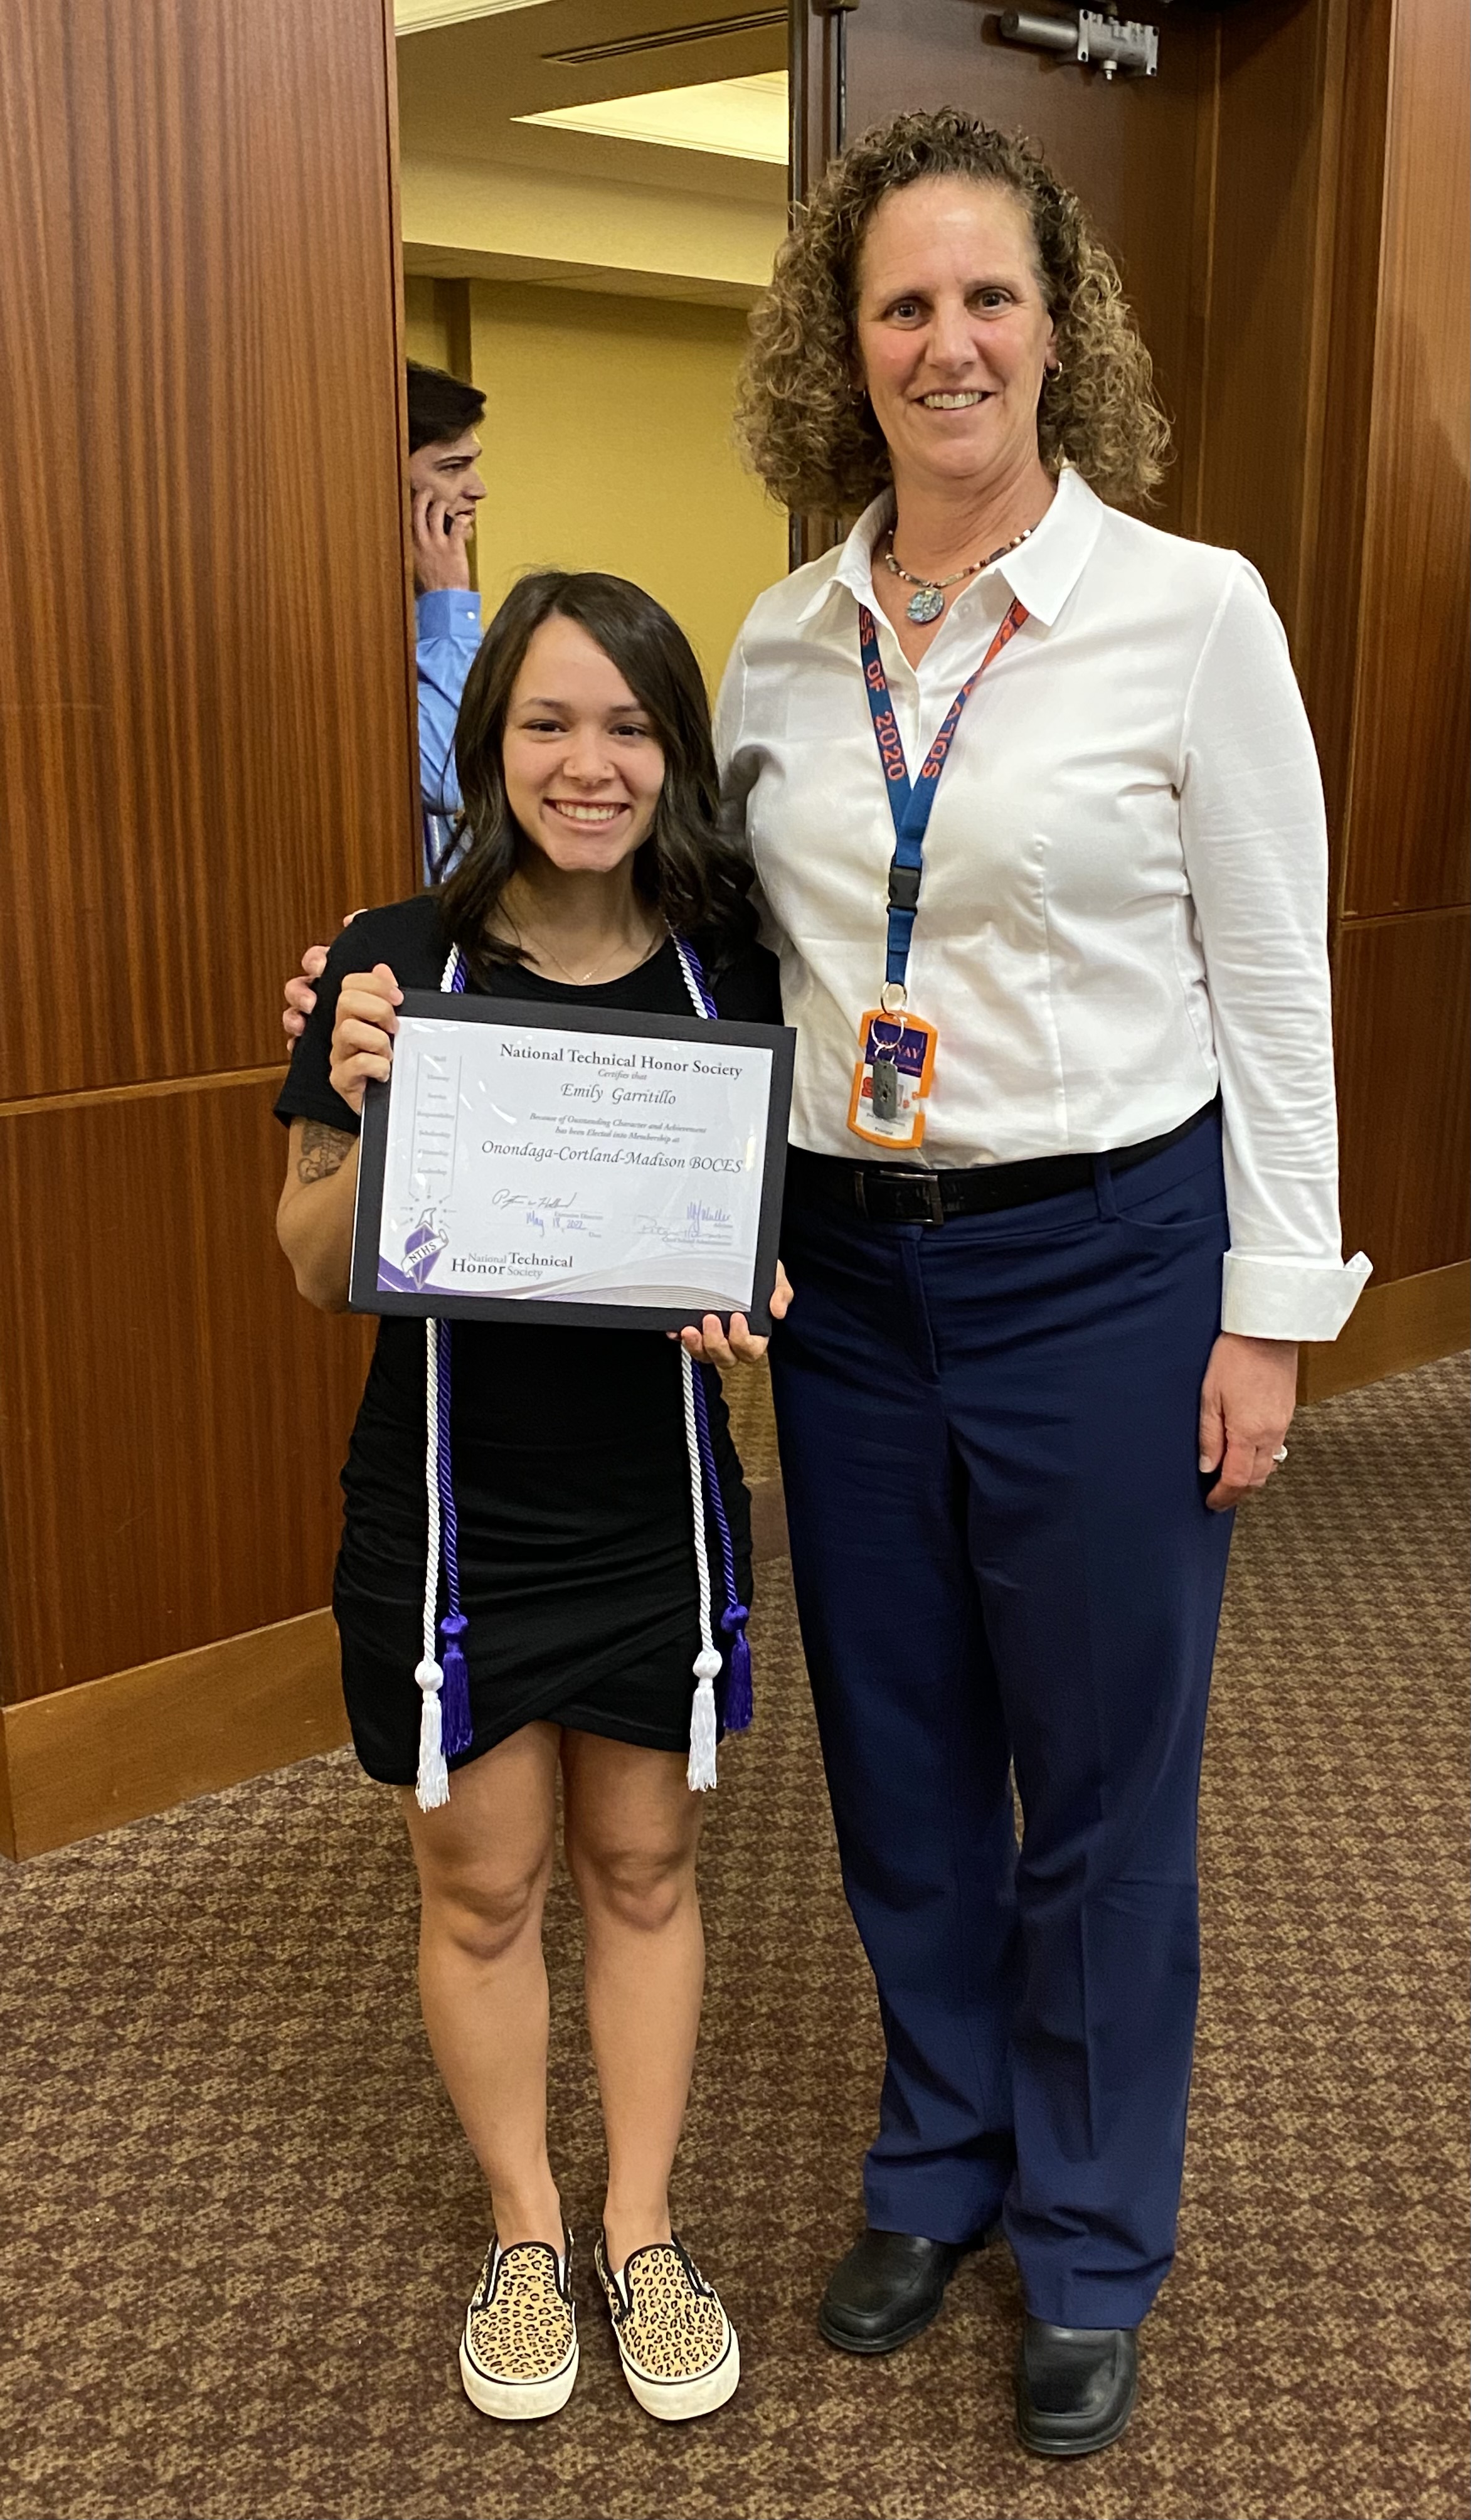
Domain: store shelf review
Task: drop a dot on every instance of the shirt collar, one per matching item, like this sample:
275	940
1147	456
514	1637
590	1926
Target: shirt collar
851	566
1041	572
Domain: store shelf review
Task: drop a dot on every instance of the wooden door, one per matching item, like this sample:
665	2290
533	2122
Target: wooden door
206	755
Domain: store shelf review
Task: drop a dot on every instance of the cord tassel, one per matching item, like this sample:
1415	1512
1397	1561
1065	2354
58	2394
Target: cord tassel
433	1788
700	1775
455	1692
739	1702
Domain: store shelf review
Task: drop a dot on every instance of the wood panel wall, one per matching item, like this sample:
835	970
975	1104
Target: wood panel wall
204	751
1409	806
1288	202
1339	271
1401	938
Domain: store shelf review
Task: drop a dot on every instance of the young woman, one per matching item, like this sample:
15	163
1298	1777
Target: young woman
593	866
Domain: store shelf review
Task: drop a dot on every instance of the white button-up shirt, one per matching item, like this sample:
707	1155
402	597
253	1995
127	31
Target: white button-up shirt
1124	896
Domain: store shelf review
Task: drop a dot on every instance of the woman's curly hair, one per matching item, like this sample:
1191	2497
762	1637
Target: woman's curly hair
816	444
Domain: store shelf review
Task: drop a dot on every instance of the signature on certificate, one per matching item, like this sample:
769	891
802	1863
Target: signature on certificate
548	1211
697	1228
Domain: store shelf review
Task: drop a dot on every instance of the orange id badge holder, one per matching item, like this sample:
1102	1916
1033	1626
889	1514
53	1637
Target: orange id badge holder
892	1078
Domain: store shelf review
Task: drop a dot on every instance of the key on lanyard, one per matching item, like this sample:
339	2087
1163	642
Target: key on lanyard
883	1088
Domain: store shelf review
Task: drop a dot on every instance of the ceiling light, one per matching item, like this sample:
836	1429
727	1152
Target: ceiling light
740	118
412	16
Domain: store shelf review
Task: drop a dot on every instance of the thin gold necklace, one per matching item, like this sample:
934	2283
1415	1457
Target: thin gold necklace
928	602
579	980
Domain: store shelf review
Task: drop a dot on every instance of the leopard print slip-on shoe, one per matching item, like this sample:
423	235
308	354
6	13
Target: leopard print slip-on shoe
518	2354
677	2348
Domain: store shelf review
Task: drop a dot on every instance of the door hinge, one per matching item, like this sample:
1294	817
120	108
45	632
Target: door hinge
1097	38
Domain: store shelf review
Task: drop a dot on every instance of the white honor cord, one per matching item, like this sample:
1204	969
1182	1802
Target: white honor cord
691	983
699	1776
700	1772
701	1769
433	1786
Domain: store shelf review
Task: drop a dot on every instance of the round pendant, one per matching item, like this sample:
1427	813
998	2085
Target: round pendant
927	603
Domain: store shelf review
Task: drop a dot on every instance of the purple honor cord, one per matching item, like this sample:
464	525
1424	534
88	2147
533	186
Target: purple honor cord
739	1705
455	1692
732	1618
454	1695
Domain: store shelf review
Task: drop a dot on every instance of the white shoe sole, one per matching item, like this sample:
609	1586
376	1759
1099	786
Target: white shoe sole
675	2401
518	2402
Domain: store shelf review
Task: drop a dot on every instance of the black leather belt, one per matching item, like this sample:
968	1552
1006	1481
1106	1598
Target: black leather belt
890	1195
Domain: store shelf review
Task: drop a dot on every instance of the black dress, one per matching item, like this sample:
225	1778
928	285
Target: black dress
571	1478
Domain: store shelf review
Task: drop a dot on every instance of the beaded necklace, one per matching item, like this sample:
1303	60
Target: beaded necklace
928	603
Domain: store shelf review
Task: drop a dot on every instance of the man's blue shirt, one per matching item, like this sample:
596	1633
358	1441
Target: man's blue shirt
448	636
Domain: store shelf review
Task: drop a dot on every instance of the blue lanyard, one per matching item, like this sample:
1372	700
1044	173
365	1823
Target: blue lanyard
910	803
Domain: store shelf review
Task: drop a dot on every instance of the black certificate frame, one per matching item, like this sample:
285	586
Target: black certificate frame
519	1015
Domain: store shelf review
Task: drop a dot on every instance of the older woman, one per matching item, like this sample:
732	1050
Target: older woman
1036	815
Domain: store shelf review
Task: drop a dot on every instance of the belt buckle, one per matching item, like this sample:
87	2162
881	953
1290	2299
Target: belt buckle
926	1184
923	1190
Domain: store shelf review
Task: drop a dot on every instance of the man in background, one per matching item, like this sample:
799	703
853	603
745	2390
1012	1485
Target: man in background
445	488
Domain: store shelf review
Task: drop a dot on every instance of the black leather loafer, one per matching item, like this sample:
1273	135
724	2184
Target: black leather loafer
887	2290
1074	2387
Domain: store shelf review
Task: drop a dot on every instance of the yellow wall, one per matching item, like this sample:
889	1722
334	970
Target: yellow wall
607	446
427	331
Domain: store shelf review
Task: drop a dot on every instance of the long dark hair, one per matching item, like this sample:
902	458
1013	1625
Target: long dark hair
696	878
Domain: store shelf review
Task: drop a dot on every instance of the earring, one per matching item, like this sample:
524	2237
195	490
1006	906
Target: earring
1050	375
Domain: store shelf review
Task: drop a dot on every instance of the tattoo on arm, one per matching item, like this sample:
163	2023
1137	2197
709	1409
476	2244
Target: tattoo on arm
324	1151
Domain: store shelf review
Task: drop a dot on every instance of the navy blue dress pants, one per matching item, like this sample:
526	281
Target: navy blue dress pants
1005	1568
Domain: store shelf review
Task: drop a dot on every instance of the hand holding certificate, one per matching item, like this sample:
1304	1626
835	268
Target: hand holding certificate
572	1165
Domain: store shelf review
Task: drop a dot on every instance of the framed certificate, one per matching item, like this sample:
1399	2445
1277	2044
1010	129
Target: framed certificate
570	1164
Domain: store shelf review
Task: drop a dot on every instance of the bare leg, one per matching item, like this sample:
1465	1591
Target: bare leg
631	1827
484	1860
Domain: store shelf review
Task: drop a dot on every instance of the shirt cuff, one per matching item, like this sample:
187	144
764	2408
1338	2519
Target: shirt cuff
1288	1298
447	610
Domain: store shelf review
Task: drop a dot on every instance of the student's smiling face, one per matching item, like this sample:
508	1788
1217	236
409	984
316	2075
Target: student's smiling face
582	763
952	330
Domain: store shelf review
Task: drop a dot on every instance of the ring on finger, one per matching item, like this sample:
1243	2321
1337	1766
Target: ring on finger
1280	1454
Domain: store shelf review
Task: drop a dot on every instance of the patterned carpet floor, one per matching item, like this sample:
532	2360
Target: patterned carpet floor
240	2224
